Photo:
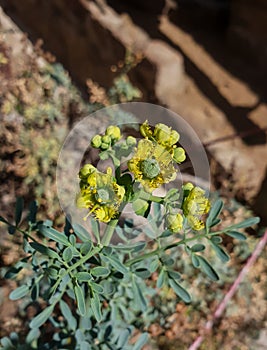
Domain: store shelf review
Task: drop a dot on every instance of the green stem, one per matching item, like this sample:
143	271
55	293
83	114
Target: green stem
109	232
169	246
78	263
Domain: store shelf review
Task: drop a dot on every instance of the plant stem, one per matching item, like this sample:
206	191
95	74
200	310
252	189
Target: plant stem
169	246
109	232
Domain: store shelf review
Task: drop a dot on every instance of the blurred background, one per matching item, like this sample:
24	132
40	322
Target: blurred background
205	60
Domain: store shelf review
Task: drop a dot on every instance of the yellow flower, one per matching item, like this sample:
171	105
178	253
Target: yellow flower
166	137
174	222
195	205
152	165
99	193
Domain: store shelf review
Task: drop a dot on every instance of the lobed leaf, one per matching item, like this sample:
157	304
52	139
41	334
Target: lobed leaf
41	318
18	210
19	292
54	235
96	307
214	212
180	291
142	340
222	255
100	271
246	223
207	268
66	312
197	248
237	235
80	299
81	232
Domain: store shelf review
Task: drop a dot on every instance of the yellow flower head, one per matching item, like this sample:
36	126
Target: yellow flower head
174	222
195	205
99	193
152	165
166	137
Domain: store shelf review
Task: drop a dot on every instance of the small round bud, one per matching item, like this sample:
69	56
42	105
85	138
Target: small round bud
96	141
86	170
104	146
179	155
114	132
131	141
106	139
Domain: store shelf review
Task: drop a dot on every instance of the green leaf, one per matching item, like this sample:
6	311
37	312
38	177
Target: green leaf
19	292
33	335
237	235
123	338
67	254
214	212
195	260
80	299
96	307
44	250
139	298
35	292
115	263
162	278
246	223
85	346
180	291
142	340
143	273
81	232
86	247
95	228
41	318
222	255
215	222
100	271
83	276
7	344
174	275
66	312
197	248
216	239
18	210
32	212
140	206
54	235
97	287
208	269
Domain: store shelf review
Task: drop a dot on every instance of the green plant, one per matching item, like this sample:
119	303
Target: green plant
92	291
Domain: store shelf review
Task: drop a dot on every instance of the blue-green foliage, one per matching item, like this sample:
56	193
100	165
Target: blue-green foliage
95	295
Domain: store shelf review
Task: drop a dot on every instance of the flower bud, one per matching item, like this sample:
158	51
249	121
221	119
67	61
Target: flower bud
145	130
106	139
131	141
96	141
179	155
114	132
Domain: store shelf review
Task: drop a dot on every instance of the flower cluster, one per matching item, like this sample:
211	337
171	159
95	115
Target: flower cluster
111	135
193	206
99	193
151	165
153	162
166	137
